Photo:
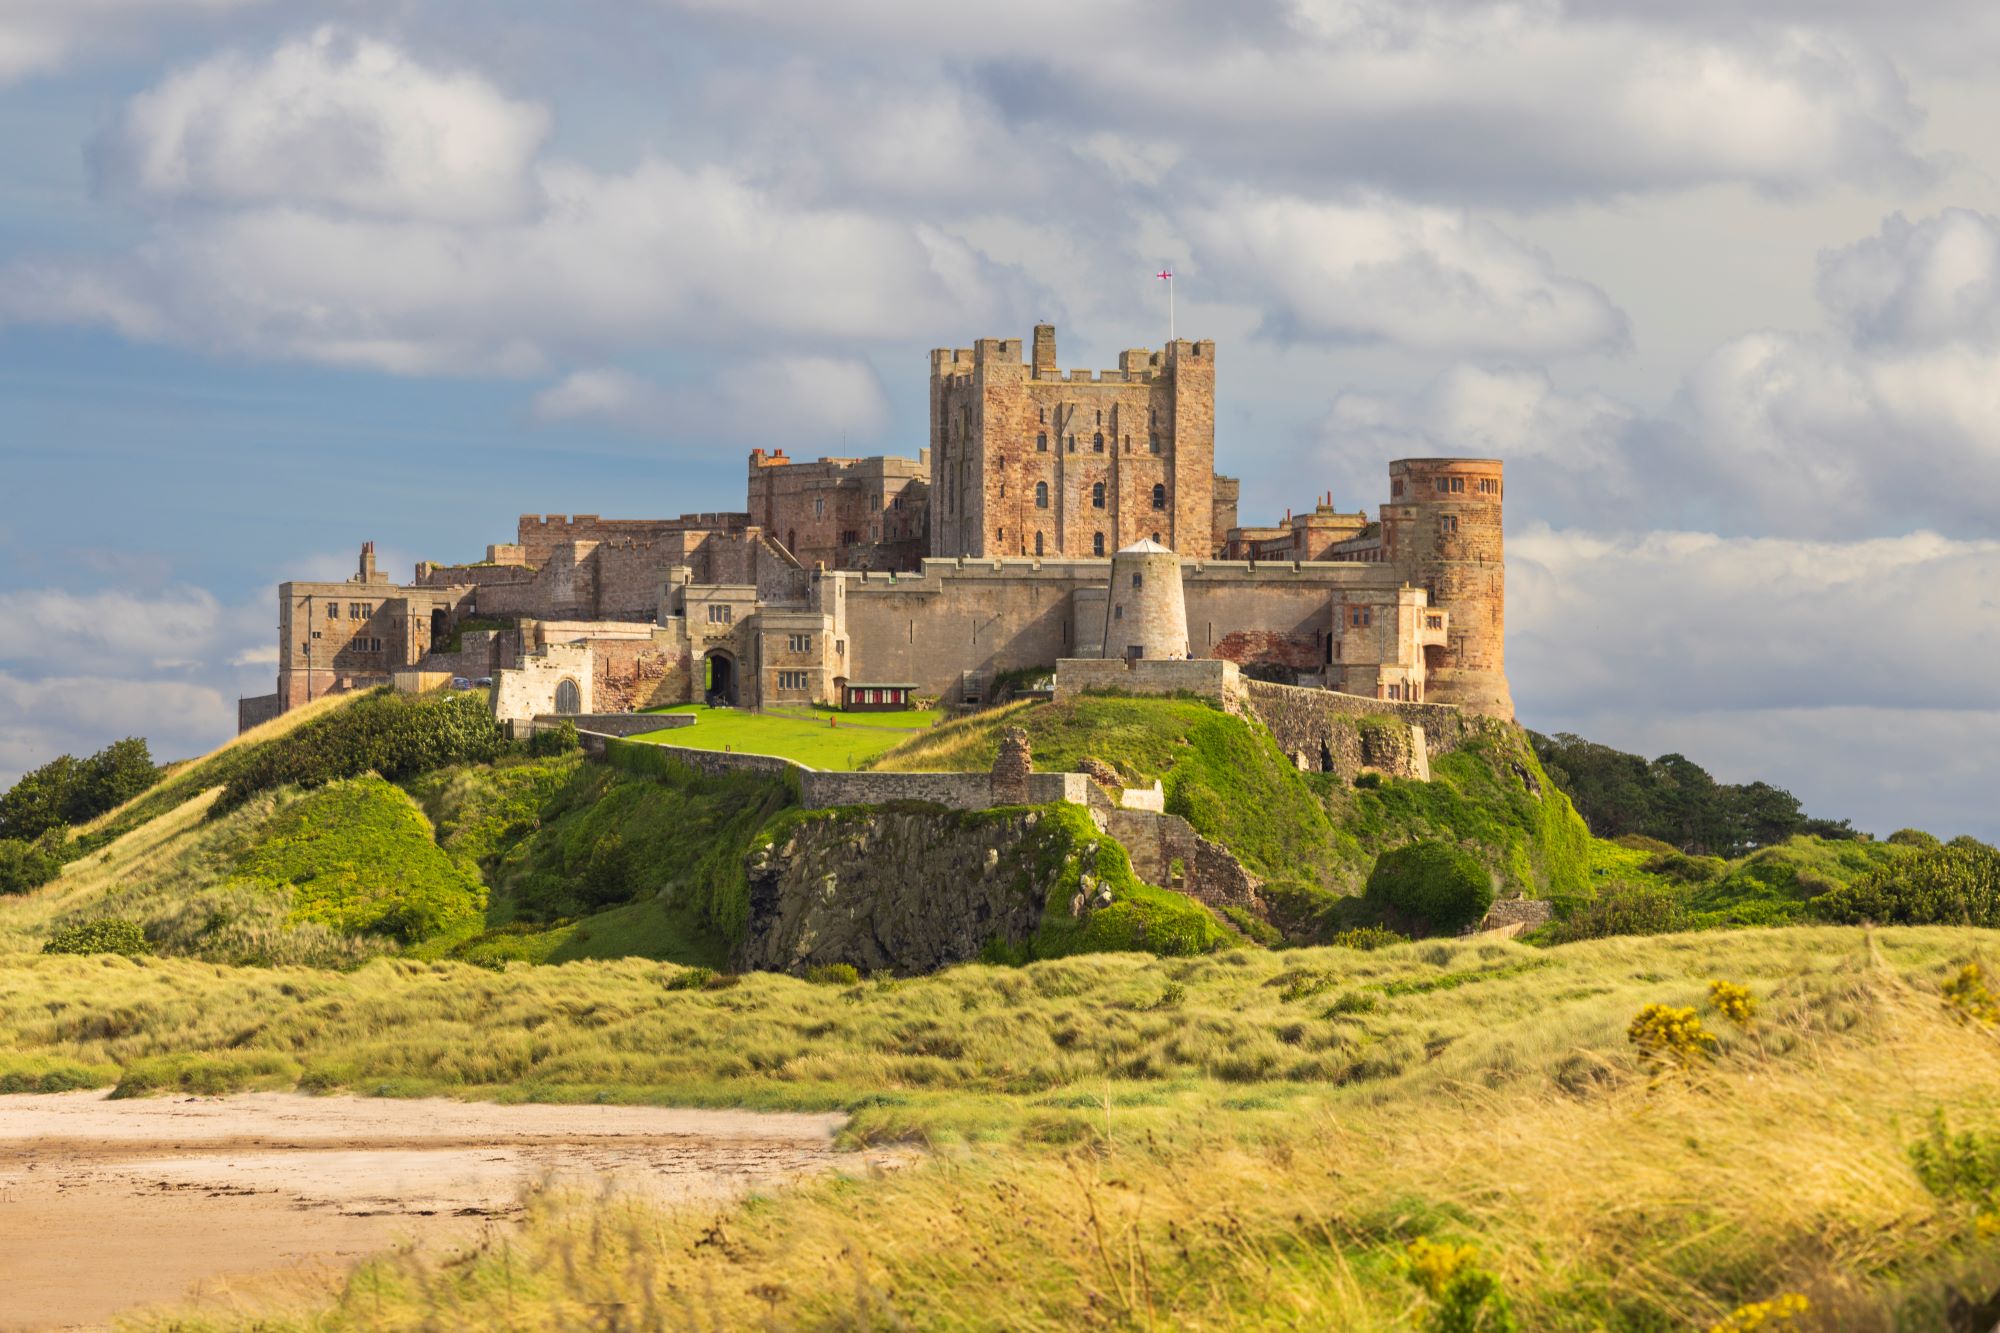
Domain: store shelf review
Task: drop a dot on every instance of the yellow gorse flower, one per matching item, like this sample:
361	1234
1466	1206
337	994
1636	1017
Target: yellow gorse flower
1759	1315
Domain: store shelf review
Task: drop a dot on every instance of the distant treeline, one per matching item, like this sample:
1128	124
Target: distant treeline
1674	799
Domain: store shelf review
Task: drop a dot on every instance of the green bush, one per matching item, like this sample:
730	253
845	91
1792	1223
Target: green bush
833	974
1623	909
394	735
1957	884
1366	938
1436	886
67	790
108	934
27	865
1914	837
360	857
549	742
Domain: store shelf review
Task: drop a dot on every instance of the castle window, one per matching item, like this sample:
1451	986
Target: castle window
1450	522
1100	416
333	610
800	643
1072	444
1042	441
1159	497
792	680
1097	543
1433	622
1153	443
1488	486
1097	443
1138	578
1156	536
1097	496
1118	612
1041	495
1038	543
1396	486
721	613
1360	617
819	507
1458	485
1444	485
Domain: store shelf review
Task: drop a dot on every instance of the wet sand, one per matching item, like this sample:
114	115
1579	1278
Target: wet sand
109	1205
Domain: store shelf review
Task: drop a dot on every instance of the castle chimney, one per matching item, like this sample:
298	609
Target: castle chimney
367	562
1045	351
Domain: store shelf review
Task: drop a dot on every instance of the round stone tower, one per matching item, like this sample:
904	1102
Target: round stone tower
1146	614
1443	531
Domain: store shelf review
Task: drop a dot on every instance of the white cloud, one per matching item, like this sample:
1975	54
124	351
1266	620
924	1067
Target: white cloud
1917	283
37	36
106	628
795	397
1667	623
660	252
330	119
1377	270
1522	101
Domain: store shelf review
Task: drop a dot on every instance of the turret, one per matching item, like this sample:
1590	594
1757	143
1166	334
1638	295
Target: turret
1146	612
1443	529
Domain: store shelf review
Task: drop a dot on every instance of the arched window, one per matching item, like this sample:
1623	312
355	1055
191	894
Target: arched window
1038	543
1159	497
1041	495
1097	443
1097	543
1097	496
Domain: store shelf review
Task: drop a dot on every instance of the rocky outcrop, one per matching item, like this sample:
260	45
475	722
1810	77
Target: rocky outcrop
907	890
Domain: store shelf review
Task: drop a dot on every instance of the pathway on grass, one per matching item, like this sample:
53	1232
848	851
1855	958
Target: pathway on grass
115	1204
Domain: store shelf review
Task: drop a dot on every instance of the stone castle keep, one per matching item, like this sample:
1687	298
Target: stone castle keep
1055	516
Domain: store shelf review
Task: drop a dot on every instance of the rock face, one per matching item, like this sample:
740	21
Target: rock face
902	890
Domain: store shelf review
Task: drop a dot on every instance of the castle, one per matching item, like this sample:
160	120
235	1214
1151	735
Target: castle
1055	516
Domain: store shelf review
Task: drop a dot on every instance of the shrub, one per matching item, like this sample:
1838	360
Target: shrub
1464	1298
609	876
1962	1167
548	742
702	978
108	934
1914	837
1623	909
1956	884
1367	937
1667	1035
1684	869
833	974
27	865
1732	1001
394	735
1438	886
1757	1316
1969	994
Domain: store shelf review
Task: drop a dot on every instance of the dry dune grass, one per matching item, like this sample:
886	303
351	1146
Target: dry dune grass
1126	1142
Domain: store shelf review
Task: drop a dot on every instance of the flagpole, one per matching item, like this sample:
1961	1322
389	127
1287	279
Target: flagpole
1166	275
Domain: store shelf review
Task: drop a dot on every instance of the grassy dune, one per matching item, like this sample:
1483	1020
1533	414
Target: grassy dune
1245	1140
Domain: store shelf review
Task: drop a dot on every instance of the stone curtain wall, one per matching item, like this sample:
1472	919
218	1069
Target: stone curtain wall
1160	844
1211	679
1303	720
618	724
960	791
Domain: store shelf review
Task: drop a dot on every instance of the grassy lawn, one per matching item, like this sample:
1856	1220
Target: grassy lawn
817	740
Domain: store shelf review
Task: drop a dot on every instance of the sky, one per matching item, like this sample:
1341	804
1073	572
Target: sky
1719	280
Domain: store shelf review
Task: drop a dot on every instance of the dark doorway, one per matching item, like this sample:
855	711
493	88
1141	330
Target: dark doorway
721	691
1325	758
569	699
440	628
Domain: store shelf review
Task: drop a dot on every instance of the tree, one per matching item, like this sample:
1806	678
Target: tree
35	804
1957	884
109	778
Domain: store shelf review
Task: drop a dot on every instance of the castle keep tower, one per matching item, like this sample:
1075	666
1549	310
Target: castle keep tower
1145	614
1030	460
1442	531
